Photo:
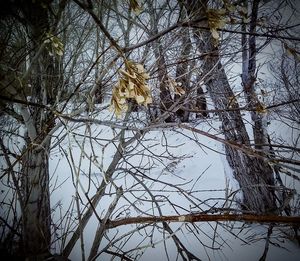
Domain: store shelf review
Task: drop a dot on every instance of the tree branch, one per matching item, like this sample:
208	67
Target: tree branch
99	23
192	218
193	24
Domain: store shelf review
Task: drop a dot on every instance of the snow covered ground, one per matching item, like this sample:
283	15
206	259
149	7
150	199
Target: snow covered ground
193	162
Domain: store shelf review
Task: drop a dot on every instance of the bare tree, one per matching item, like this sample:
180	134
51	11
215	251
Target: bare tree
254	180
39	70
85	170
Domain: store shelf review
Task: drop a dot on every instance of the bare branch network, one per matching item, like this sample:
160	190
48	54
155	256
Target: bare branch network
153	115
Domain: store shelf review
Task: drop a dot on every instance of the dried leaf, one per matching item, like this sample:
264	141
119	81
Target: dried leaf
139	99
180	91
215	33
175	87
140	68
148	100
230	8
146	76
134	5
231	101
131	85
53	45
133	76
59	52
122	101
292	52
260	108
217	19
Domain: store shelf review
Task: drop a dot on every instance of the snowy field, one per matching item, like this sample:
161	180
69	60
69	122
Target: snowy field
185	159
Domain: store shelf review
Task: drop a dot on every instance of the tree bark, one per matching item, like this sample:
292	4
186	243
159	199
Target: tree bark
43	75
249	78
166	100
182	75
36	210
254	175
195	217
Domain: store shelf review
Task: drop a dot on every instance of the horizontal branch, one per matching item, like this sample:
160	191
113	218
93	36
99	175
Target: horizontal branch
265	35
192	218
194	24
24	102
89	9
241	147
244	108
162	33
246	149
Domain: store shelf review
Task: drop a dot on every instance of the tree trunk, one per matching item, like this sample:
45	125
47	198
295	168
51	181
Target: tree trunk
249	78
254	175
182	74
44	77
201	103
165	97
249	72
36	210
166	100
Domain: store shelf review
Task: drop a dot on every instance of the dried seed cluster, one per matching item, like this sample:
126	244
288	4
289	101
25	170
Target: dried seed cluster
131	85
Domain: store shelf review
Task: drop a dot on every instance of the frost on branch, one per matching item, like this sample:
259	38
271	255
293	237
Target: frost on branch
131	85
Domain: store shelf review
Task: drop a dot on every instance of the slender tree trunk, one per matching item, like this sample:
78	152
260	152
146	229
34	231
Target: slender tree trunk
201	102
260	134
249	78
166	100
165	97
182	73
254	175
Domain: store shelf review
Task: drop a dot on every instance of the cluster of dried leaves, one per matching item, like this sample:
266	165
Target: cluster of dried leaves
54	45
135	6
175	87
131	85
218	18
